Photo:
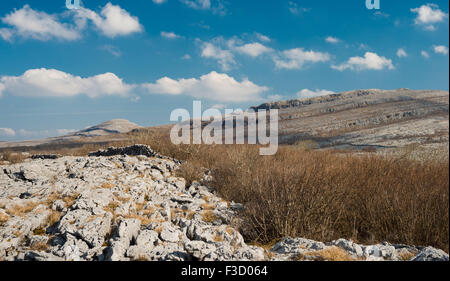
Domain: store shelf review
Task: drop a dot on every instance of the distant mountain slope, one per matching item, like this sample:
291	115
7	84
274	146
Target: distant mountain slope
116	126
386	118
104	132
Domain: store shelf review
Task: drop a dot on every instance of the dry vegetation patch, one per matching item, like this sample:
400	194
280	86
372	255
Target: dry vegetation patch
329	254
209	216
22	210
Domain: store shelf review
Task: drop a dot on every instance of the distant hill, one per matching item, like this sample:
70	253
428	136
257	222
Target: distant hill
379	118
116	126
104	132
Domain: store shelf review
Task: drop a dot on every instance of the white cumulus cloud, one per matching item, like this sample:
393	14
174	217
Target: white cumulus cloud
6	34
428	15
401	53
370	61
253	49
332	40
224	57
212	86
425	54
112	21
263	38
54	83
443	50
306	93
216	6
159	1
7	132
29	23
298	57
169	35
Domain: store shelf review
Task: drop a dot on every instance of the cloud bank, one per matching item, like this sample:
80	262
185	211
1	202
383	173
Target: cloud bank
54	83
213	86
27	23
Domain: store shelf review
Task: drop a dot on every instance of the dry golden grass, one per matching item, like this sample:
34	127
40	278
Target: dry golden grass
70	200
141	259
190	215
12	157
53	218
22	210
175	212
330	254
206	206
107	185
159	229
218	238
405	256
209	216
148	211
39	231
144	219
190	171
52	198
40	246
123	199
229	230
3	218
112	206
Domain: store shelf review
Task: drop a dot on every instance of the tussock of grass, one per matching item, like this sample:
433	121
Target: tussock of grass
209	216
22	210
12	157
3	218
330	254
53	218
218	238
40	247
206	206
107	185
70	200
144	219
39	231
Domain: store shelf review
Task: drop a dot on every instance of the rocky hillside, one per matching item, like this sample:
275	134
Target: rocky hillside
128	204
377	118
108	131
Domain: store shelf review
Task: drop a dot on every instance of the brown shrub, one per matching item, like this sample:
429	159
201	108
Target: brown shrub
12	157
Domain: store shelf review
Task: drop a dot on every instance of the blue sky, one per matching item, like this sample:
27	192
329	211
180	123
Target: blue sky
64	70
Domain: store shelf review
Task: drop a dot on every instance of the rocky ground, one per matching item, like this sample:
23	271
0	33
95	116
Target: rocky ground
127	204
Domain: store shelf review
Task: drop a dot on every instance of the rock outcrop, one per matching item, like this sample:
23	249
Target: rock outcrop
126	204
